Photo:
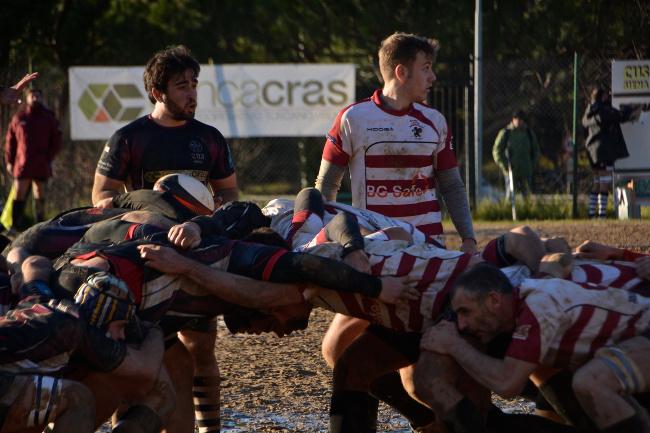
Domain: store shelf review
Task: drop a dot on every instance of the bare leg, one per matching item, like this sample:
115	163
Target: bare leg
605	397
72	409
525	245
181	367
342	332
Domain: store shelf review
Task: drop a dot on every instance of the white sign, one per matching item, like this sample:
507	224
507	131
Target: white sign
631	86
247	100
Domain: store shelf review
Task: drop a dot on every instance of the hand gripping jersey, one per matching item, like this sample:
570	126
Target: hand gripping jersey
143	151
561	324
393	157
430	269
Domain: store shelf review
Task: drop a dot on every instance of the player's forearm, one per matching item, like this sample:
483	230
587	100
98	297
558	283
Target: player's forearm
329	178
489	372
454	194
238	289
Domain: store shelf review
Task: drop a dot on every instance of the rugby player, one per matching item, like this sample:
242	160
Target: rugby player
598	332
42	337
400	155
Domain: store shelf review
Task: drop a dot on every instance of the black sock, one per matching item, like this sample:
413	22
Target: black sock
464	418
353	412
389	389
39	210
632	424
558	392
18	214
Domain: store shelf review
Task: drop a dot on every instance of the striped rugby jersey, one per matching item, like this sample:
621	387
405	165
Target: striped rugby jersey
561	324
393	156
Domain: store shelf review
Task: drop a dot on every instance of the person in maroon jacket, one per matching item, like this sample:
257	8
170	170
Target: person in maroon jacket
33	140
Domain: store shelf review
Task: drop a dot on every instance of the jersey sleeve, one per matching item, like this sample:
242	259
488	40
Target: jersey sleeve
527	340
338	147
115	159
223	165
446	158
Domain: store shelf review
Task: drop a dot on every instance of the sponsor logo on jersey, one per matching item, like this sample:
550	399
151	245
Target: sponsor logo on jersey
521	332
380	129
396	191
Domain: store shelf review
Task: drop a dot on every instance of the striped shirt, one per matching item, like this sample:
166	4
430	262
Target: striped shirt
393	156
561	324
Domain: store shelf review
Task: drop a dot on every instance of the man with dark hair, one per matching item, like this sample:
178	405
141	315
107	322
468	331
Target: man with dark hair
516	152
33	140
169	140
400	155
599	333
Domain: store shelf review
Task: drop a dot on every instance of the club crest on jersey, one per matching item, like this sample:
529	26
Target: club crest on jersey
416	128
196	151
521	332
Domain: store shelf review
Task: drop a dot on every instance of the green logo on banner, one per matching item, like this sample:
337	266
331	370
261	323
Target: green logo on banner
103	102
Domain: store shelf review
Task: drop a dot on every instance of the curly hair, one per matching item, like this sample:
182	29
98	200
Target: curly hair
164	65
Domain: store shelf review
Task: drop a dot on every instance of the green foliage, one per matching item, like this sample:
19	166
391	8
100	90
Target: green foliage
554	207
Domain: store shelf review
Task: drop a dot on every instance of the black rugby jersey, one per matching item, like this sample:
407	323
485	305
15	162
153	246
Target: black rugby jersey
143	151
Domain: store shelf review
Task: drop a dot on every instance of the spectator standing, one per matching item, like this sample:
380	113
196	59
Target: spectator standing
605	144
33	140
516	151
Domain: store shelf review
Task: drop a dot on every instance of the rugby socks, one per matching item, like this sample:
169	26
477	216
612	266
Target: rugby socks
138	419
464	418
39	210
389	389
602	204
18	214
206	394
558	392
353	412
593	201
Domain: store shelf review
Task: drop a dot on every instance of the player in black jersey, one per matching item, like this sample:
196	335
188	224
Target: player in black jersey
42	338
169	140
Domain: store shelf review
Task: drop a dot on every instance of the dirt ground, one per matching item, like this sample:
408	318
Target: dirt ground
282	384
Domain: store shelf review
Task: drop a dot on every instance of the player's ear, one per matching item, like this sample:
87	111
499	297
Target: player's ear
401	72
157	95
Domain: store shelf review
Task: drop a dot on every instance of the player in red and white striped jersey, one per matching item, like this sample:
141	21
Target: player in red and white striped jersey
398	149
399	152
601	333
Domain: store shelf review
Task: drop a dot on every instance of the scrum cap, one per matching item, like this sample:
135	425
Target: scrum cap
188	191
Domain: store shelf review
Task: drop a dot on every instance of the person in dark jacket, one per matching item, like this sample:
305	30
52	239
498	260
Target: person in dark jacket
605	144
33	140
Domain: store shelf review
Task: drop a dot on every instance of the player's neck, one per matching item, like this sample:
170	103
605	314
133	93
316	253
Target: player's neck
162	117
395	97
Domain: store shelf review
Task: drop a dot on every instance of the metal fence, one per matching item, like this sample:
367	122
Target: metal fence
274	166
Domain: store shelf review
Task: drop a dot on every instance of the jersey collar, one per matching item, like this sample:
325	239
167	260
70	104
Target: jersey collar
376	98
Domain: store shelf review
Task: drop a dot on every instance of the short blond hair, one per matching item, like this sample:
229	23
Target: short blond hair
402	49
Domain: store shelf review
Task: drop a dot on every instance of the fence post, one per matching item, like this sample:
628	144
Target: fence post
575	142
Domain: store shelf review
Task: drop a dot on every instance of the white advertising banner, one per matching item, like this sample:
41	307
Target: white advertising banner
631	86
243	100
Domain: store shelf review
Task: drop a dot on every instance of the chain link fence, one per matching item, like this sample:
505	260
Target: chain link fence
278	166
